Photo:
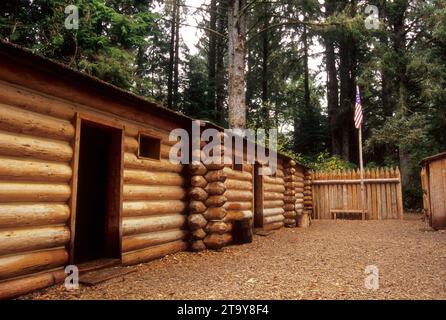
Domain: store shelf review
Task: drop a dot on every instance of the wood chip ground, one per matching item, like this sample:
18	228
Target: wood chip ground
326	261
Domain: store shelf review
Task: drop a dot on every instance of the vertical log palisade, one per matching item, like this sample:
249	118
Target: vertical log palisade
162	207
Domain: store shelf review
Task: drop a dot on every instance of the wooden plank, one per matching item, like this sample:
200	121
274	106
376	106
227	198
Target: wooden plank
96	277
373	208
368	194
383	196
350	187
437	190
399	193
388	196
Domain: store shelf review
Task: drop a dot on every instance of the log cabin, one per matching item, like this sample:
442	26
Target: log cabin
433	182
85	179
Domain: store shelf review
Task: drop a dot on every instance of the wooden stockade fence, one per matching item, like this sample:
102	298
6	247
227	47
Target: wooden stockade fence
342	190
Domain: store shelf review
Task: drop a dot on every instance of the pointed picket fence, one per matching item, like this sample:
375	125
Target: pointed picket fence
342	190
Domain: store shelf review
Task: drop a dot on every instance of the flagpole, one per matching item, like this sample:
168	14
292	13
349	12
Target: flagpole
361	166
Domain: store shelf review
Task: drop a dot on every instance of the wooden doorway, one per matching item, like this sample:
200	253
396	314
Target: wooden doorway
98	197
258	197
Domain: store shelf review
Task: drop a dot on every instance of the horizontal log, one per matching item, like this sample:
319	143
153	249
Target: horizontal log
131	161
290	214
215	201
289	223
217	241
273	180
146	208
198	181
197	193
238	215
217	213
273	226
218	227
197	169
138	192
198	234
158	131
238	205
273	196
215	165
16	287
197	207
237	175
273	204
30	262
216	176
34	192
131	144
288	206
153	178
233	184
34	124
32	101
272	211
196	221
238	195
197	246
20	240
140	241
273	188
139	225
34	170
152	253
17	145
290	164
23	214
215	188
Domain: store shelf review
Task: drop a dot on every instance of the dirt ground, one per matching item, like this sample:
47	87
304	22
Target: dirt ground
326	261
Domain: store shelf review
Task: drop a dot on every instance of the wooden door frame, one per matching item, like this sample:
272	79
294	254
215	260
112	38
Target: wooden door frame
103	123
258	190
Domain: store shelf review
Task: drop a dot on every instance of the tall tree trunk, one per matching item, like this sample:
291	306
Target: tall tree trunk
399	44
236	61
306	72
212	56
171	55
347	77
265	73
332	85
220	64
176	81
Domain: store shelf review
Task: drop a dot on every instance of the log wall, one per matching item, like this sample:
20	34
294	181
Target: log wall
154	202
35	176
165	207
36	172
274	205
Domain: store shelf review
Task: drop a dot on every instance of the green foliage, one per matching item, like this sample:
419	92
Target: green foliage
325	162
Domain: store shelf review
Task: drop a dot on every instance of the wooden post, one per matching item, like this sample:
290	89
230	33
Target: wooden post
361	166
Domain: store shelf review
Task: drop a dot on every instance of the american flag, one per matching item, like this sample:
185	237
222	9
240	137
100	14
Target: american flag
358	109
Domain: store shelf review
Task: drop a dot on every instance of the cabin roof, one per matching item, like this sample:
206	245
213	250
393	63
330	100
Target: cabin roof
432	158
36	61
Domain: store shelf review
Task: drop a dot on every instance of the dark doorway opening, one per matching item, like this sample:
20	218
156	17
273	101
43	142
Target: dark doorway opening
258	197
98	193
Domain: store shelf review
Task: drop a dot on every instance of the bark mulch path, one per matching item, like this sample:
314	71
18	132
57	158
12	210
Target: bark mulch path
326	261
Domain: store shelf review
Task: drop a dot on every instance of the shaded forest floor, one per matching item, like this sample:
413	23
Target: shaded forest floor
326	261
